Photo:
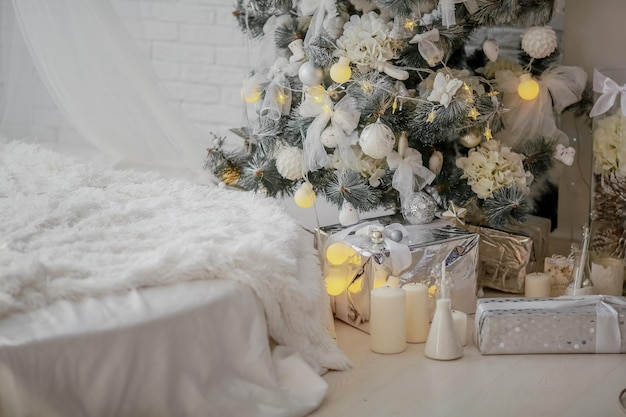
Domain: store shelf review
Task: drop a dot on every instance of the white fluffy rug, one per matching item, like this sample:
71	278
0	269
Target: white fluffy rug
70	230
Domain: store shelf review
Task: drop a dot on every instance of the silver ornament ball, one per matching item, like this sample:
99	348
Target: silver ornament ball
310	75
395	235
377	237
419	209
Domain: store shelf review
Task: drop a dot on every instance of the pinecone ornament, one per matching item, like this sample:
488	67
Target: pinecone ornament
289	163
539	41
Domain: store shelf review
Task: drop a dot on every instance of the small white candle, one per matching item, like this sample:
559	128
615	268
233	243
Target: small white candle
607	275
537	284
417	313
460	323
388	320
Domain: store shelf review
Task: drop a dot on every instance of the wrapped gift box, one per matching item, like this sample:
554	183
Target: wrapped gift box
429	245
585	324
506	256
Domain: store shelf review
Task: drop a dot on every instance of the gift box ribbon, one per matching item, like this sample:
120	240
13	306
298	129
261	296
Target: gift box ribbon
608	333
399	253
609	90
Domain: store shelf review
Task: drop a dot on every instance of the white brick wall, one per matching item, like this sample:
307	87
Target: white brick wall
197	53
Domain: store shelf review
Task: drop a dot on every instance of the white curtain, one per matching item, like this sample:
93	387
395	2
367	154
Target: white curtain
95	74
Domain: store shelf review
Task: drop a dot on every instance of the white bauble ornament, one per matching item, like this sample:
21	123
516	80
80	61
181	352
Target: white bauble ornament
539	41
348	214
470	139
491	49
377	140
289	163
329	137
435	162
310	75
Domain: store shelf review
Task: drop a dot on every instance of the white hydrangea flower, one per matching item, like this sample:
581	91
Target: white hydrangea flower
366	39
490	167
609	145
444	88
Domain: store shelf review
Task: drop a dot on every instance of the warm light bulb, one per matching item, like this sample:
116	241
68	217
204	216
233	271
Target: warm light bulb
338	253
528	89
305	196
251	96
340	72
317	93
336	281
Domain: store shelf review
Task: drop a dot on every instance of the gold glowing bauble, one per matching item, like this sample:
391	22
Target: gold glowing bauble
528	89
470	139
305	196
341	72
338	253
316	92
336	282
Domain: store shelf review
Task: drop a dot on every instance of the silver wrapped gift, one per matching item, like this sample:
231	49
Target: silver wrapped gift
506	256
584	324
429	246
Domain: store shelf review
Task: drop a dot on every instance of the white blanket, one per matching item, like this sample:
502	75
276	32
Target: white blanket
70	229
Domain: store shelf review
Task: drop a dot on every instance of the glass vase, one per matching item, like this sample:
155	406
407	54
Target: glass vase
608	194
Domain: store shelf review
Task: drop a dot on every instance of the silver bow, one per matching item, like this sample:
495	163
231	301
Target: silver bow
399	253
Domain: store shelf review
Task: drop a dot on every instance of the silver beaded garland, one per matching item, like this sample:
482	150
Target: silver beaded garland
419	209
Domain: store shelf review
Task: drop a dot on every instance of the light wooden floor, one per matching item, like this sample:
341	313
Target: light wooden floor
409	384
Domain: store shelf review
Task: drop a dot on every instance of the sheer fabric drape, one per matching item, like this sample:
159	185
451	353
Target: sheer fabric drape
96	76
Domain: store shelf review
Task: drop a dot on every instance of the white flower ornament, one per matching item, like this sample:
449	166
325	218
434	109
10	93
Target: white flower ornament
444	89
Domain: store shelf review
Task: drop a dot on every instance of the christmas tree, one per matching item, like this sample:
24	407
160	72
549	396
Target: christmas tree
378	104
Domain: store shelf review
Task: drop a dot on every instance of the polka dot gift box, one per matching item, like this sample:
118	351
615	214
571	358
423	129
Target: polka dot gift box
584	324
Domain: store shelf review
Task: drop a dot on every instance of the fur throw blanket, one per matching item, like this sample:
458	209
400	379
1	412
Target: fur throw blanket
72	230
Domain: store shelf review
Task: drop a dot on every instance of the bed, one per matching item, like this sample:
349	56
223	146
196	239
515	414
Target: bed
126	293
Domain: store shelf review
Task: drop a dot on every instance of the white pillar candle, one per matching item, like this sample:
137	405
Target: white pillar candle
607	275
460	323
388	320
417	313
537	284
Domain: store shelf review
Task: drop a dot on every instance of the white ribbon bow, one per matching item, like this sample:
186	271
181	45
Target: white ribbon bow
448	13
608	333
343	115
426	46
558	88
408	167
319	9
277	101
609	90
